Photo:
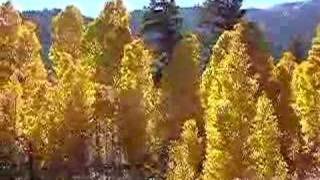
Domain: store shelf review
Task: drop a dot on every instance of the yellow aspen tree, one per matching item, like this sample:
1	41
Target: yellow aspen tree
110	32
264	143
73	95
8	150
10	25
32	80
229	98
134	87
230	91
185	155
31	108
180	86
22	75
262	68
314	53
9	61
283	72
305	87
105	39
284	69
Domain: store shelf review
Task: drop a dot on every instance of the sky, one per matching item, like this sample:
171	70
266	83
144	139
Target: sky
93	7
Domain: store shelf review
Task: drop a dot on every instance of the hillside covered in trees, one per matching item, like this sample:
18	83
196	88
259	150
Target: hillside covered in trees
213	104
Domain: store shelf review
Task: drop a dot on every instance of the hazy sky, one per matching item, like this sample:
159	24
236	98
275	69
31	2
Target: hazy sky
93	7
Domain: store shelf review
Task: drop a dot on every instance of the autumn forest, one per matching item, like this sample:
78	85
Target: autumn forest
213	104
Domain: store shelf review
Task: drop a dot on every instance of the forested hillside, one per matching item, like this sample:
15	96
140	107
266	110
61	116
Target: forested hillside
213	104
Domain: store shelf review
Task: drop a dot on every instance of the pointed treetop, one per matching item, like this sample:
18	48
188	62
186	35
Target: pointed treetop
68	29
115	14
314	53
9	18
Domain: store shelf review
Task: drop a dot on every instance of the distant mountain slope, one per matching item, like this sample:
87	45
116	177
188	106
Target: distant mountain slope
280	23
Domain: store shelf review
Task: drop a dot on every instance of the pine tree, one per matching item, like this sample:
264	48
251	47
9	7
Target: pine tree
161	30
216	17
229	96
229	12
162	17
305	86
264	143
219	15
298	46
185	154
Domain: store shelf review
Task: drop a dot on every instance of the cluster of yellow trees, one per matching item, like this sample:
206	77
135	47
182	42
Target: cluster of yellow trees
243	117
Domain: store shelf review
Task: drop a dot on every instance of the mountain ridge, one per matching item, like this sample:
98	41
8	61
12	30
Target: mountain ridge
280	23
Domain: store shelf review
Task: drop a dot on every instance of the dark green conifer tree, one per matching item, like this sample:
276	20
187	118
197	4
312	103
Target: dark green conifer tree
161	30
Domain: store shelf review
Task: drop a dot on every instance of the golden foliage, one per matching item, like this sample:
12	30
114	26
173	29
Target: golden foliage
185	154
68	30
247	113
306	95
134	85
264	143
180	86
314	53
229	96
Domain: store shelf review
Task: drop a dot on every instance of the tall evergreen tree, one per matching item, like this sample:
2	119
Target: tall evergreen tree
219	15
298	47
216	17
161	25
161	31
